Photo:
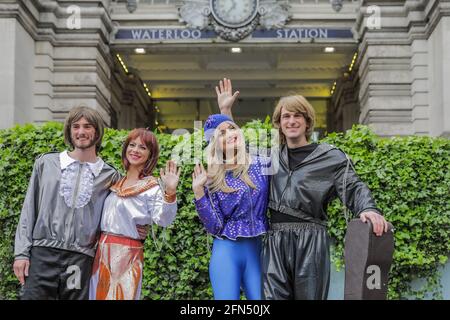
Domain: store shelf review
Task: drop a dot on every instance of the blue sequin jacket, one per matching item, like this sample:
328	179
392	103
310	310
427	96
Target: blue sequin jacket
241	213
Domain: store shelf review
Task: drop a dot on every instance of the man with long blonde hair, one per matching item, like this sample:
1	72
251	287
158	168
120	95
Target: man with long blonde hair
295	254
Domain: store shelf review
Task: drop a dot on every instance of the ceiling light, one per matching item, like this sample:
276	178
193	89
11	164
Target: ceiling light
139	50
329	50
236	50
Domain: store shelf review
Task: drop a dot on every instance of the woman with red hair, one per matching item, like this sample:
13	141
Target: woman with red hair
136	199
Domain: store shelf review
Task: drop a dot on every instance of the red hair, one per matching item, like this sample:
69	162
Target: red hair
151	142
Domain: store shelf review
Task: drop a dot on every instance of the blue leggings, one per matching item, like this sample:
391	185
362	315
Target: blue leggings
236	263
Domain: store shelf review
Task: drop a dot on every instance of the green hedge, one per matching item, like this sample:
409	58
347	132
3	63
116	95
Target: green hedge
409	178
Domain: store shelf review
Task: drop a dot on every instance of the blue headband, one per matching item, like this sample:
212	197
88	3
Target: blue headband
212	123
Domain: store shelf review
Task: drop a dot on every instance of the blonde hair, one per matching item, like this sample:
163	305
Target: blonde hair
298	104
216	167
92	116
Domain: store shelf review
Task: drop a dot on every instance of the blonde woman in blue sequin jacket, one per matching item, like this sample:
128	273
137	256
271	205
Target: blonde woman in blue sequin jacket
231	199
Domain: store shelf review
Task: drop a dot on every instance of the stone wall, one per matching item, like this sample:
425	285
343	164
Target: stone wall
403	68
398	85
53	62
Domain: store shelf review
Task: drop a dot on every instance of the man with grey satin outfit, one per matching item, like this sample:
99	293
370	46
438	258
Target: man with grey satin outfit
59	224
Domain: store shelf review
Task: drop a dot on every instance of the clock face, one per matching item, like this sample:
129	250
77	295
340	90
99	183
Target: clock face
234	13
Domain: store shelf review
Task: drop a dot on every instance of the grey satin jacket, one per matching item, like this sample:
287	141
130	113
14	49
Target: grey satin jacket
63	205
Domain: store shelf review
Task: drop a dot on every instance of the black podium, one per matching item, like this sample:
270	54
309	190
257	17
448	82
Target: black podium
368	259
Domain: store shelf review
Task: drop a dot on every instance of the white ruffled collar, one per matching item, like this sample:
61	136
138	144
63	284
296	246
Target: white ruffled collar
66	161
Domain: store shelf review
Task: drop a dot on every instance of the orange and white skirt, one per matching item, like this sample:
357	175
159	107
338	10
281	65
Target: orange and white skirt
117	269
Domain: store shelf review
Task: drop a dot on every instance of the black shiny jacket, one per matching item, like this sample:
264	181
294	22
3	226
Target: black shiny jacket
325	174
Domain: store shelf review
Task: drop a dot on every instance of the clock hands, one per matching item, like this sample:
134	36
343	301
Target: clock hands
232	7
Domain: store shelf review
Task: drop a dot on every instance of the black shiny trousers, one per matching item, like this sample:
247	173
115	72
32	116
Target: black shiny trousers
57	275
295	262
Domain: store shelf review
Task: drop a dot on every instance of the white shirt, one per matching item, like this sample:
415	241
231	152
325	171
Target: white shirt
122	214
77	179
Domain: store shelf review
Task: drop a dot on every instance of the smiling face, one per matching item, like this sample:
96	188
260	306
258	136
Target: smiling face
137	153
294	117
229	138
293	125
83	134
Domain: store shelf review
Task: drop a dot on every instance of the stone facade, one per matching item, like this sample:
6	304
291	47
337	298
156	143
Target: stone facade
404	67
49	65
398	85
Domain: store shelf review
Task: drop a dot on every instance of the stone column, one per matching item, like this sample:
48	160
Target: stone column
404	68
16	64
78	50
419	88
439	77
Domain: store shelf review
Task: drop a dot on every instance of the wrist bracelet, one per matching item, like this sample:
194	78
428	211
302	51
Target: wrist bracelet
170	197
